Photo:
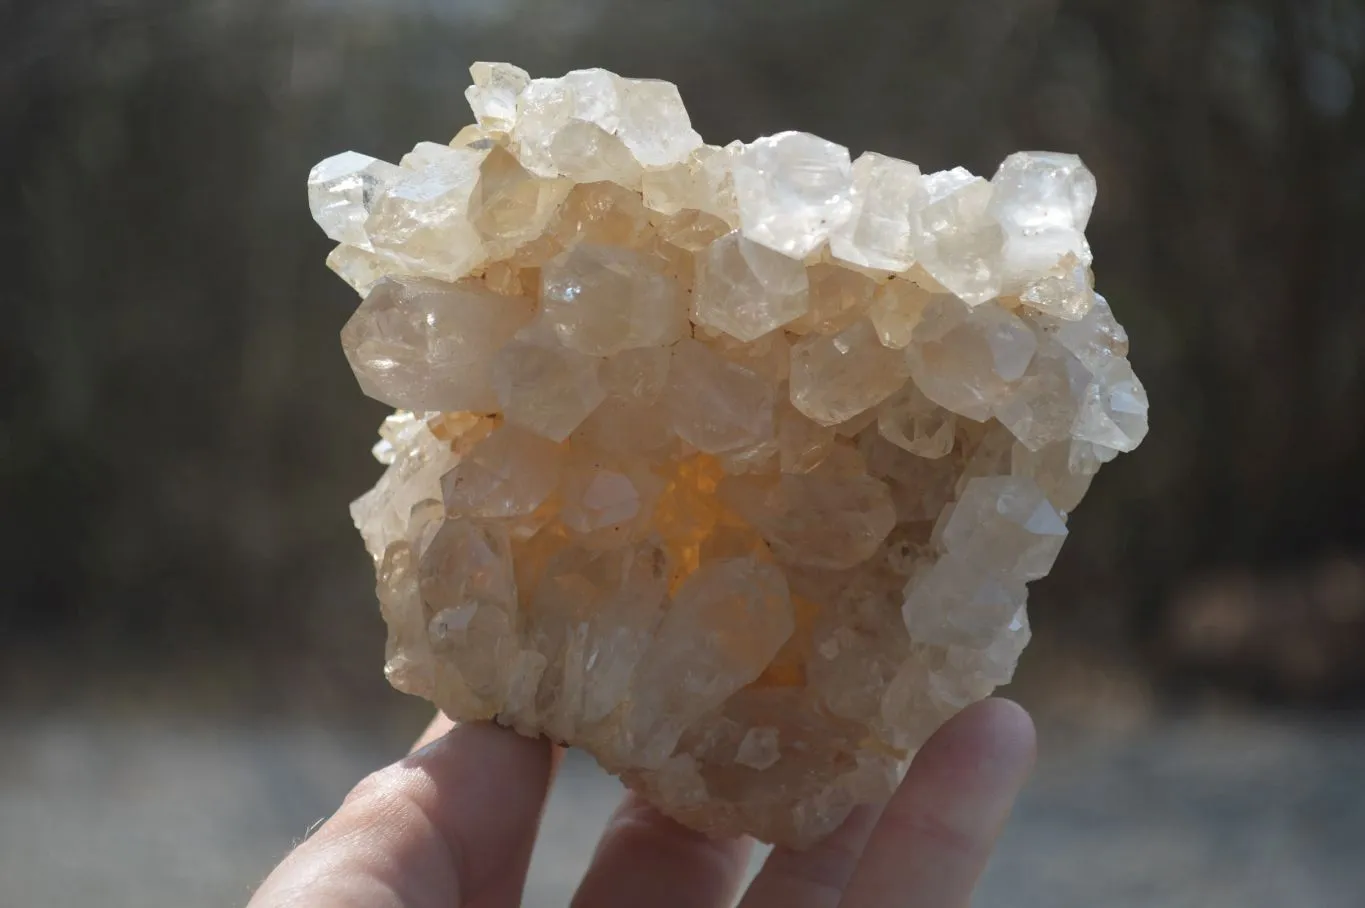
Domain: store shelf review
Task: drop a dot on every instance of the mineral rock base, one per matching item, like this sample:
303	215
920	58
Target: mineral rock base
728	465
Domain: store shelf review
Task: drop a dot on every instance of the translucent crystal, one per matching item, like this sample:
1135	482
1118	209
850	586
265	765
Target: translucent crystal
543	386
468	587
887	197
493	96
793	190
747	290
586	153
1041	408
595	616
420	222
1042	201
896	309
838	298
361	269
730	465
823	518
717	405
691	669
509	207
836	377
341	191
647	117
1065	292
654	124
912	421
960	243
508	474
966	360
603	299
1113	412
421	344
700	183
415	466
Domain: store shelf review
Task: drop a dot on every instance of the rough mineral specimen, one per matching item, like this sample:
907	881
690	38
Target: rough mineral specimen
729	465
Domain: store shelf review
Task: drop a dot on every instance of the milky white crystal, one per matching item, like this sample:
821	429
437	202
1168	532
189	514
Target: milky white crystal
729	465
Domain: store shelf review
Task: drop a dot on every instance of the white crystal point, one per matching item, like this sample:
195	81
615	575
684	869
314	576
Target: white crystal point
644	117
603	299
888	195
341	191
420	222
421	344
746	289
493	96
654	125
1035	190
1043	202
793	190
730	465
960	243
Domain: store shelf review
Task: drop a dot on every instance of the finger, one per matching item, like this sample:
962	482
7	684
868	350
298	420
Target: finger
935	835
644	858
507	889
434	829
816	877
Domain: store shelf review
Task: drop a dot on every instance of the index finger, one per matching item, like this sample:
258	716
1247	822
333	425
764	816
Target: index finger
438	827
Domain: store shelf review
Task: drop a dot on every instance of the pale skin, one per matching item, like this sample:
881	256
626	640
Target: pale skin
452	826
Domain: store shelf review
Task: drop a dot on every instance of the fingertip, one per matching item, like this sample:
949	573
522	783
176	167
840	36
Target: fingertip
1000	732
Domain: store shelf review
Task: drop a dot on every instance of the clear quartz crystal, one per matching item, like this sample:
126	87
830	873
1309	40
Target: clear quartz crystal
730	465
794	189
493	96
747	290
341	191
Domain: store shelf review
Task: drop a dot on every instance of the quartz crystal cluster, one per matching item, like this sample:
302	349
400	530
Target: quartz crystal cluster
728	465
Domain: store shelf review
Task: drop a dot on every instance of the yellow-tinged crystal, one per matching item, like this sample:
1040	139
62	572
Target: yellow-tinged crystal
729	465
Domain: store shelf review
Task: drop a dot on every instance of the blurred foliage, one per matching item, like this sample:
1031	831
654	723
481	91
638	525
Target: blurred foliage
179	433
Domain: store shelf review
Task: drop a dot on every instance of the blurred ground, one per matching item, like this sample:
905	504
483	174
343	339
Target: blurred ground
1209	811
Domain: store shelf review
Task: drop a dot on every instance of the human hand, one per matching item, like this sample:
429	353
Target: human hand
453	824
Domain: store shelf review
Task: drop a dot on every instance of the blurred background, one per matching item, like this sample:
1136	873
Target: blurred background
190	652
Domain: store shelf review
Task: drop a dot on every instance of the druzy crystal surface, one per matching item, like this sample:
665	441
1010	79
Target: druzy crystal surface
728	465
